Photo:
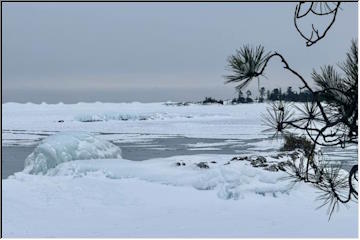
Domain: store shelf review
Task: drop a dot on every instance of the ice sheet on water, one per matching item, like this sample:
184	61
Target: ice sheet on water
100	117
139	116
212	121
68	146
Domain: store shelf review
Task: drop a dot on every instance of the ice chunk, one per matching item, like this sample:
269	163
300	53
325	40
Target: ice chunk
68	146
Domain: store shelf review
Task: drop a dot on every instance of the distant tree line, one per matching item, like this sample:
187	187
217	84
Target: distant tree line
289	95
274	95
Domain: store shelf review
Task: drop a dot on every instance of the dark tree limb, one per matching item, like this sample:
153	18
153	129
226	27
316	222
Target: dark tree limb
309	40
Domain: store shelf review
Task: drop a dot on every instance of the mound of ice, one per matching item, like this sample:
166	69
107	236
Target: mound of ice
65	147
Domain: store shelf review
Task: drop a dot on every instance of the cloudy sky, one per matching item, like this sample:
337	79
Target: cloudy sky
115	52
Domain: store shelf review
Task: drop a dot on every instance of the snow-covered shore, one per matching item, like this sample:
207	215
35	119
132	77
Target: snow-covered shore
160	197
157	198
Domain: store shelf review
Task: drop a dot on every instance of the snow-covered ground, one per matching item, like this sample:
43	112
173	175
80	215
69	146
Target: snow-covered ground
157	198
79	193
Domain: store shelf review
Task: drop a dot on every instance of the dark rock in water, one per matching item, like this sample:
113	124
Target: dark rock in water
202	165
239	158
261	159
254	164
180	164
61	121
272	168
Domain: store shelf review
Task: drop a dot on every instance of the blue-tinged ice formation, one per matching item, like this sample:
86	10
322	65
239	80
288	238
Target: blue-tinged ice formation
68	146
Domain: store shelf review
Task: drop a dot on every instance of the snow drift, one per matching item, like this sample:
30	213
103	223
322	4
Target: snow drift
159	198
65	147
228	181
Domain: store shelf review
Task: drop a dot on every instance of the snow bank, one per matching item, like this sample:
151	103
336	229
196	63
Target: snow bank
228	181
155	198
68	146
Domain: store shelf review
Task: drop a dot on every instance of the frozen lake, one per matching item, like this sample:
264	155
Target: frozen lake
14	155
145	130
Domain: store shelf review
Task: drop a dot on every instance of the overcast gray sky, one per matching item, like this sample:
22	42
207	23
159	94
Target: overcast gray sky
114	52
